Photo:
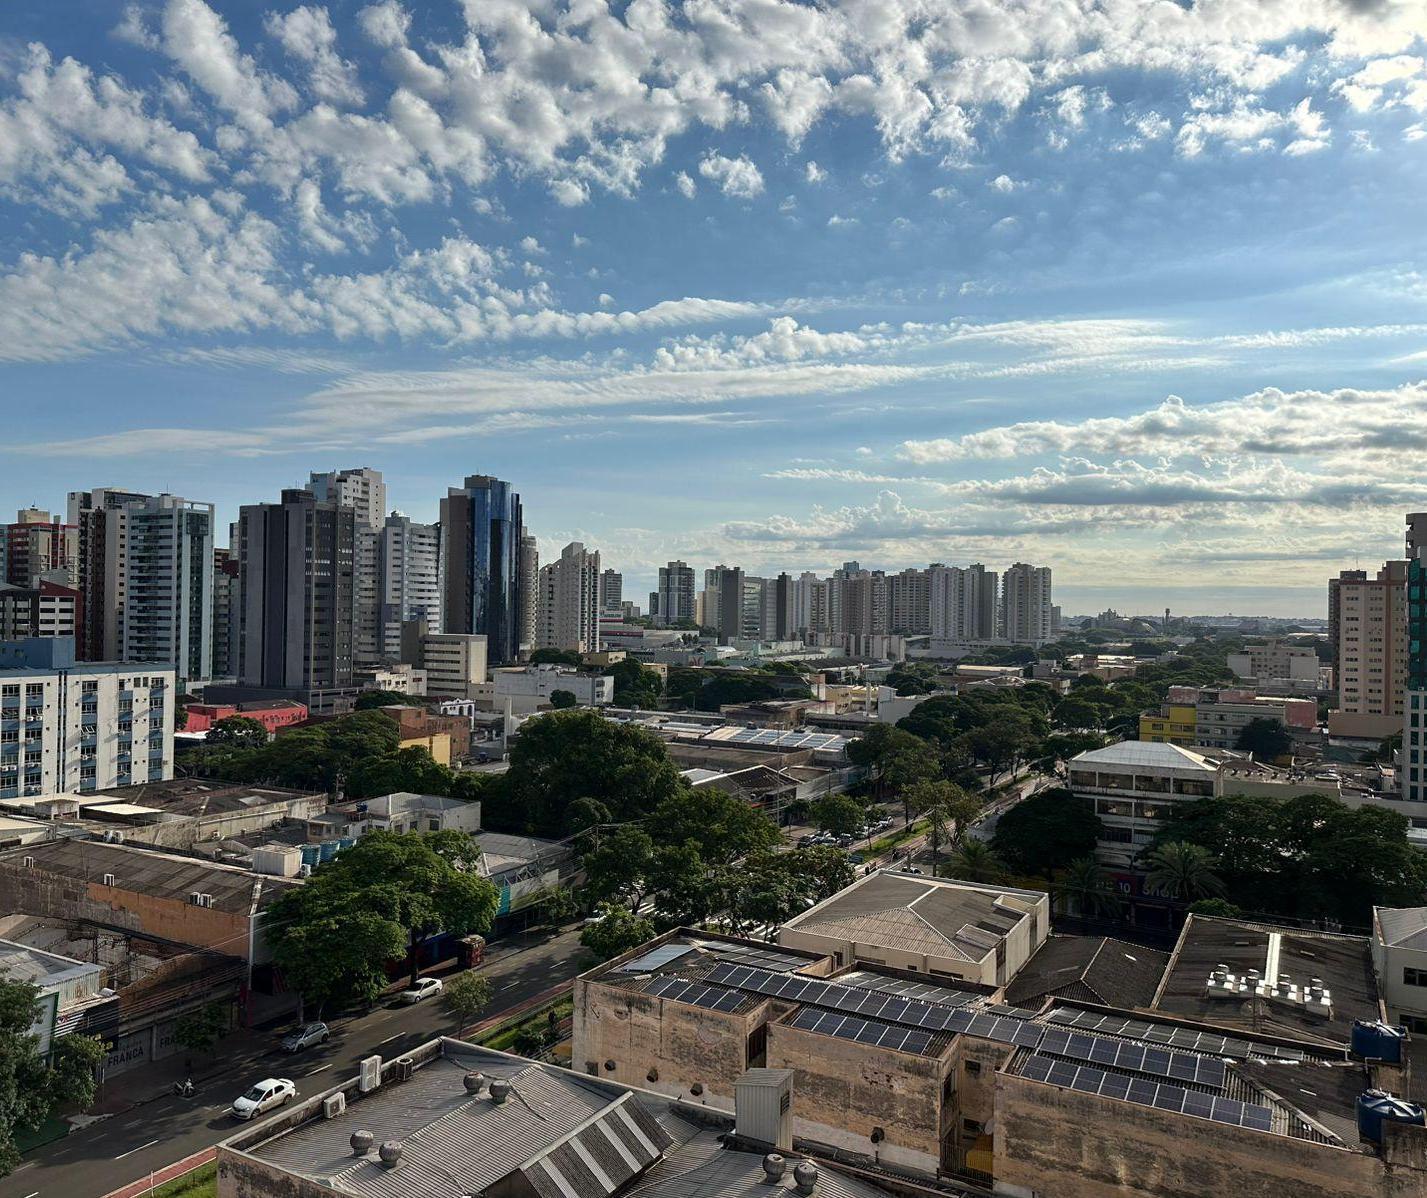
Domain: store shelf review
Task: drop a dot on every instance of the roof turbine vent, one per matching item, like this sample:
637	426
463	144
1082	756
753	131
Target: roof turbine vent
390	1153
361	1143
500	1091
805	1177
774	1166
474	1082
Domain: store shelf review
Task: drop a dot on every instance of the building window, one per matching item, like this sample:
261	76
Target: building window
973	1067
1414	977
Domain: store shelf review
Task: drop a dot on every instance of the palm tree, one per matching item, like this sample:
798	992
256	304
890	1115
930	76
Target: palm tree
1085	886
1183	871
975	861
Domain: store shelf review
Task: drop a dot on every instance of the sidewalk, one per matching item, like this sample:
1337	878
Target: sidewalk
178	1169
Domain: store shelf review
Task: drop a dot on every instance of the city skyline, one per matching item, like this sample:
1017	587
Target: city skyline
1131	293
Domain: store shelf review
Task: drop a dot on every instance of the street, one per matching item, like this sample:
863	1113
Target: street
124	1147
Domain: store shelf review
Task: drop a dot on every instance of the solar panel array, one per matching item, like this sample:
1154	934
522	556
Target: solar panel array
1176	1037
1136	1058
846	1027
696	994
763	958
903	988
786	740
1161	1095
656	958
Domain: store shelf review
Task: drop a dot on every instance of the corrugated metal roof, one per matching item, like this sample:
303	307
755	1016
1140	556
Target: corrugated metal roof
1403	927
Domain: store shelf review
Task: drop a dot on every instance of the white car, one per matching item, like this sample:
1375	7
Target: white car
267	1094
424	988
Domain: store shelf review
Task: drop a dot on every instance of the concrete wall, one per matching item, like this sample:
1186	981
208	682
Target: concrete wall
1060	1142
185	833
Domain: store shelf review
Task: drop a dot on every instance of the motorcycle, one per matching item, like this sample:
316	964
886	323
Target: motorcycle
184	1089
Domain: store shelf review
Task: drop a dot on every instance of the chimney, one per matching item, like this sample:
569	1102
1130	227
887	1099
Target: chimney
762	1107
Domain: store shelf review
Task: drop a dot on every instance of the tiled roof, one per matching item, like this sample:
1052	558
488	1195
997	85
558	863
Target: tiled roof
1091	968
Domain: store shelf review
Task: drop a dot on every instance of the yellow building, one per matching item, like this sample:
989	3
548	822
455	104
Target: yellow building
1173	724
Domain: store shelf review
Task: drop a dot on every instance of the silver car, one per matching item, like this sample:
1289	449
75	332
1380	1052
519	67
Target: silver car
306	1036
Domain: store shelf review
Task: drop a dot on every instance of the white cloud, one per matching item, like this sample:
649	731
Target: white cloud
686	185
814	173
737	177
197	39
306	33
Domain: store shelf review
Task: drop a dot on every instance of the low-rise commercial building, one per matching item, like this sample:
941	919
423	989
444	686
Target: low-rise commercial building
447	738
1399	951
63	988
1222	715
934	926
408	812
454	662
272	714
529	689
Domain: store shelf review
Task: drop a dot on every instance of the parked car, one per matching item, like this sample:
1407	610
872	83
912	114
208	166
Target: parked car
424	988
269	1093
306	1036
807	839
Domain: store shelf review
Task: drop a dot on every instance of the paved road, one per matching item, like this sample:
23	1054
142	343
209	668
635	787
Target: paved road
125	1147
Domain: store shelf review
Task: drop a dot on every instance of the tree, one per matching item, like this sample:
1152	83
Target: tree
1047	831
411	769
333	937
466	995
615	929
555	657
200	1030
1216	907
840	814
617	866
238	732
975	861
905	768
1183	872
1266	739
949	811
1084	887
31	1087
565	756
563	700
1060	747
635	685
368	700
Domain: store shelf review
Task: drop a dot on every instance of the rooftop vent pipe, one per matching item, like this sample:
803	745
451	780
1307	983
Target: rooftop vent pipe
474	1083
361	1143
500	1091
390	1153
805	1177
774	1166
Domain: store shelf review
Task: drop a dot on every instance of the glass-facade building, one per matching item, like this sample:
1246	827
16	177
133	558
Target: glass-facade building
482	583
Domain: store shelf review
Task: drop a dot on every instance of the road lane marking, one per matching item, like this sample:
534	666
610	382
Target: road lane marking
36	1194
319	1069
131	1151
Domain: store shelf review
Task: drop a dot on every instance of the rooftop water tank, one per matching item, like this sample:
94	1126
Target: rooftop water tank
1376	1108
1376	1041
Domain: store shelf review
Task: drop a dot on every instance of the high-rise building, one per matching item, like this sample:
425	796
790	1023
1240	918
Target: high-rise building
363	490
145	570
1370	615
857	602
225	613
81	726
673	602
729	603
38	544
482	588
909	603
48	609
1025	604
962	602
569	609
529	589
295	620
611	592
408	571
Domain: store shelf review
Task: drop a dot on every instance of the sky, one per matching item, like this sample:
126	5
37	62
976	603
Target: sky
1136	290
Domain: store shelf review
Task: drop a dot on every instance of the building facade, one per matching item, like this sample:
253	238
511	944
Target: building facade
673	602
296	613
363	490
454	662
408	565
568	611
47	609
1026	604
67	725
483	586
962	602
1370	616
36	544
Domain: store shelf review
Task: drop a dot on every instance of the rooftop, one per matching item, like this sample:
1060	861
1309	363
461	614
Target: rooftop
556	1135
197	797
21	962
912	913
1402	927
160	875
1149	754
1343	963
1095	969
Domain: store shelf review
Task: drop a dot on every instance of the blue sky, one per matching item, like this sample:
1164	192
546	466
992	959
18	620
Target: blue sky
1134	290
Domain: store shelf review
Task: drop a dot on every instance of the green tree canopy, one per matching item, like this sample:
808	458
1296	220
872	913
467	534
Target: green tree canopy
200	1030
564	757
1182	871
1047	831
1264	738
840	814
333	937
635	685
562	700
368	700
975	861
238	732
1083	888
31	1087
411	769
466	995
555	657
615	930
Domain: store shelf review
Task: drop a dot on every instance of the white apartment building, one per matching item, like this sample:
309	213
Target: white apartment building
568	612
68	726
1277	661
529	689
454	662
146	576
963	602
408	566
1025	604
1399	953
1371	622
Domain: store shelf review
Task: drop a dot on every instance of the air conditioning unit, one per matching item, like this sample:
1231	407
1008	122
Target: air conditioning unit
304	870
110	879
334	1105
200	899
404	1068
28	862
369	1075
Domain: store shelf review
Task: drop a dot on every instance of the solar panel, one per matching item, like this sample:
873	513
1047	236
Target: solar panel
695	994
1161	1095
656	958
1172	1037
1136	1058
769	959
846	1027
